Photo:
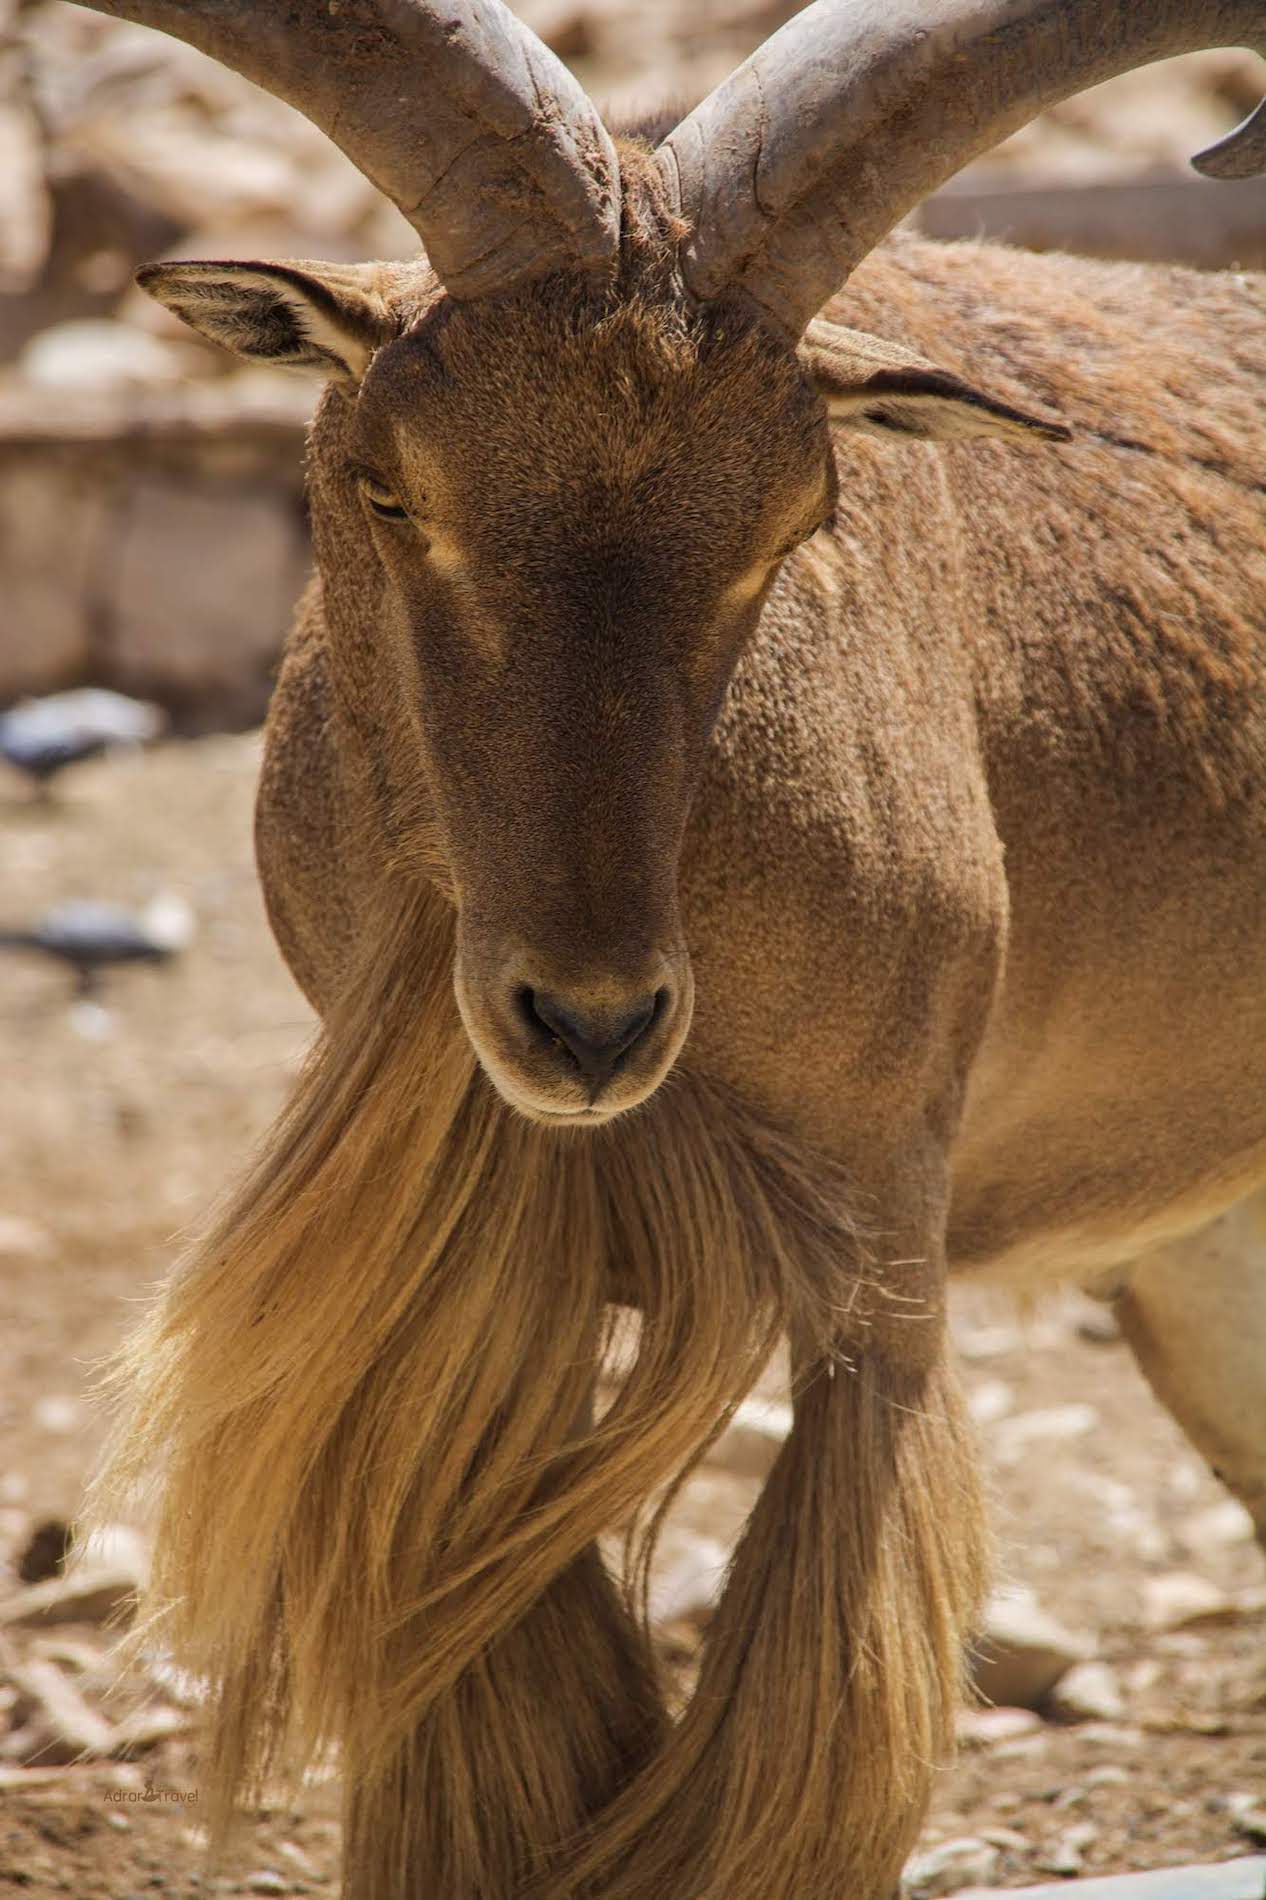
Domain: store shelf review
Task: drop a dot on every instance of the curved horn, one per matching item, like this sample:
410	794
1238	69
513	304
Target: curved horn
453	108
794	169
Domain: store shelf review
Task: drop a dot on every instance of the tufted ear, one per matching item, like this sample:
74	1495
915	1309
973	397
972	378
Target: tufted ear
888	391
324	317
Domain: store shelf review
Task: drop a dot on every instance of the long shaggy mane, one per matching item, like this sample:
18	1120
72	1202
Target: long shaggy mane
362	1415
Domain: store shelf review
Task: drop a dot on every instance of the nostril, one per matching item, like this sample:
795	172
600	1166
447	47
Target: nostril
525	1008
595	1044
544	1016
627	1032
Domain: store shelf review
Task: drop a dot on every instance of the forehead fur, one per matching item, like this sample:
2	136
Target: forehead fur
561	385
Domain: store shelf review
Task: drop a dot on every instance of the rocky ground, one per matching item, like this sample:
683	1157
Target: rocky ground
1128	1647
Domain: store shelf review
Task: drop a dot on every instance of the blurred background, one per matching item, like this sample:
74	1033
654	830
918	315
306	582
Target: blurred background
152	541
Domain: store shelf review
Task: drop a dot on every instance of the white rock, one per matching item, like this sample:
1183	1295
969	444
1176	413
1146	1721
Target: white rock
1024	1747
1053	1425
951	1866
62	1726
1114	1735
1089	1691
170	921
1180	1598
991	1400
984	1728
55	1413
91	1594
1007	1838
1111	1775
985	1341
1067	1857
1248	1812
1021	1652
1224	1523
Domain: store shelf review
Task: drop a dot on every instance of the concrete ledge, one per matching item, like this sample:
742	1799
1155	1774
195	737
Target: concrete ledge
1228	1880
153	540
1214	225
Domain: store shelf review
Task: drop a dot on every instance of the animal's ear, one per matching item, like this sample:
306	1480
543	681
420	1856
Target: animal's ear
888	391
324	317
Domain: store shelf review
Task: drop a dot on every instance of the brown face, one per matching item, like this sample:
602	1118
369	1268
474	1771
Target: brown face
573	521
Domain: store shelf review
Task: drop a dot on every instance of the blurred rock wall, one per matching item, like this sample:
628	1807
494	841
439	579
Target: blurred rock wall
151	527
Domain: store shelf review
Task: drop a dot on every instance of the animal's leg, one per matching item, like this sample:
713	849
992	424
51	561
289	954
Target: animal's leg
802	1767
1195	1314
536	1737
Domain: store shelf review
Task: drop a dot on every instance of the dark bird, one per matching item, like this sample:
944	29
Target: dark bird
43	736
91	937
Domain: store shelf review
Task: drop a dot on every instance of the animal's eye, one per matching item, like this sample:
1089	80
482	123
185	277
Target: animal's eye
384	504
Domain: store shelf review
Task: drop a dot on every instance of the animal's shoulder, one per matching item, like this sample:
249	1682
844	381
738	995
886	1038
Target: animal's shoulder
1160	360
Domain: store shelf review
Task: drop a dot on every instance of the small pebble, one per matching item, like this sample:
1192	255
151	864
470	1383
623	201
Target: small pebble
984	1728
1248	1812
1052	1425
1022	1651
1109	1776
1098	1325
1089	1691
1068	1856
948	1868
1006	1838
991	1400
54	1413
1222	1524
1111	1735
1179	1599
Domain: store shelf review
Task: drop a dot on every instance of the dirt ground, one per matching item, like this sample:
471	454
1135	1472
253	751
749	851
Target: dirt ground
119	1120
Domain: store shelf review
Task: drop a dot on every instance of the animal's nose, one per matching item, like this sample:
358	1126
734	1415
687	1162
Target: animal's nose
595	1042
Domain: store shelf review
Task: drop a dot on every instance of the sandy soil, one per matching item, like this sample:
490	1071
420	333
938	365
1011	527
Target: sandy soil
119	1121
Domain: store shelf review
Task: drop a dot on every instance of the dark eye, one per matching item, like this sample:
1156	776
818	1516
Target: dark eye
382	501
388	510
